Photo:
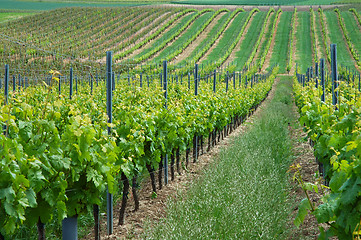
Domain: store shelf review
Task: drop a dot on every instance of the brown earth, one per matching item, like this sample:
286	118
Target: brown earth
119	37
303	154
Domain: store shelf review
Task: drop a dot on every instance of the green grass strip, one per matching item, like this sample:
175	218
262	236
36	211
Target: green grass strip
303	44
356	14
190	66
236	40
255	48
343	56
324	34
8	16
154	35
319	36
290	45
265	50
282	38
313	34
351	28
245	193
267	35
213	32
192	33
348	34
227	38
183	26
177	45
205	49
250	38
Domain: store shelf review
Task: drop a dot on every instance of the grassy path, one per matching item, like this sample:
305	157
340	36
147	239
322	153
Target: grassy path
336	36
230	33
282	38
303	42
244	193
250	38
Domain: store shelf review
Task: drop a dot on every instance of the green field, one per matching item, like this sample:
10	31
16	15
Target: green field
282	38
304	48
7	16
48	5
53	4
250	38
55	124
256	2
227	37
336	36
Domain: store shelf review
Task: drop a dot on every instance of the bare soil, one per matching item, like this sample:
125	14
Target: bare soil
303	154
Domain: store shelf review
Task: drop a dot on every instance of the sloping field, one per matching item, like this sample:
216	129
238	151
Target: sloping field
153	34
98	101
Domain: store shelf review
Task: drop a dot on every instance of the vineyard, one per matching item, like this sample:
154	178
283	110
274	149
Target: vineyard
98	100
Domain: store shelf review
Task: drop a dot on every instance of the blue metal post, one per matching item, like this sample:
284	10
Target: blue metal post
165	88
196	80
227	81
234	80
19	82
189	81
334	73
59	85
109	112
322	72
71	83
70	228
14	83
141	79
214	80
6	83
